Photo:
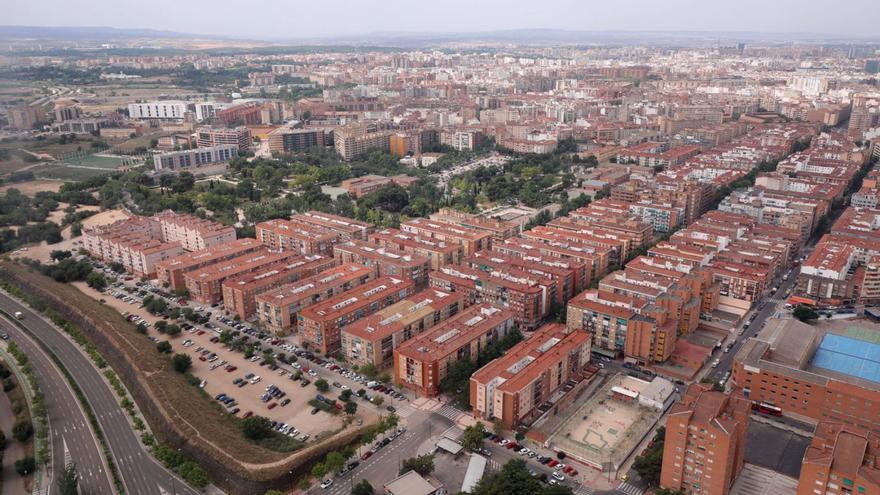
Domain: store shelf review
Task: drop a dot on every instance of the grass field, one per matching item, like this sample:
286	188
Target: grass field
107	162
62	172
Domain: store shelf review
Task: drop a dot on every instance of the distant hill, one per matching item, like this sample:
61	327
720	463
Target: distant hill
90	33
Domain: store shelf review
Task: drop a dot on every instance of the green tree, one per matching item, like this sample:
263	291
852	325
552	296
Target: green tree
172	330
351	407
804	313
423	464
369	370
96	280
194	474
22	430
225	336
182	362
163	347
363	487
67	481
256	428
322	385
473	436
25	466
334	462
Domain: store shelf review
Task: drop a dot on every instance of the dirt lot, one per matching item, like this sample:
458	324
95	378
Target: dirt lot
297	413
32	187
41	252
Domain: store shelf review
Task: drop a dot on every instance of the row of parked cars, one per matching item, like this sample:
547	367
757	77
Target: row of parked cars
558	467
289	430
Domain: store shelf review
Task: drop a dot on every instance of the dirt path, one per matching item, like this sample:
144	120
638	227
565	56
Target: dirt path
10	482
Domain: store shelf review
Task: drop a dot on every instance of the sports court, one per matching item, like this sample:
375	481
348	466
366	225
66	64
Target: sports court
856	353
604	430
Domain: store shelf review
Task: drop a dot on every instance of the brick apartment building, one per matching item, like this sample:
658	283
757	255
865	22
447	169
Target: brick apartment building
320	325
422	362
296	237
705	441
205	284
511	387
239	292
385	261
347	228
277	308
440	253
471	240
624	325
841	460
171	271
528	297
373	339
207	137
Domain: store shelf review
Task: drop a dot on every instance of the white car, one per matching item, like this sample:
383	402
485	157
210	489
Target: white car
326	483
558	476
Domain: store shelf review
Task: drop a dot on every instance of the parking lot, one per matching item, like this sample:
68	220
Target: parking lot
242	383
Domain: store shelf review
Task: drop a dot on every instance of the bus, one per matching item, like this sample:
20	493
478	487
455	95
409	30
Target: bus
765	408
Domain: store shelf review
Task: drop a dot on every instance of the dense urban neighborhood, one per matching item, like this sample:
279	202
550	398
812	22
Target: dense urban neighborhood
635	265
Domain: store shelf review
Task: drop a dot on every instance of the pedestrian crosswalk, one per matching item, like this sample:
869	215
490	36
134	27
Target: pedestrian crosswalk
453	433
584	490
404	411
494	465
629	489
449	412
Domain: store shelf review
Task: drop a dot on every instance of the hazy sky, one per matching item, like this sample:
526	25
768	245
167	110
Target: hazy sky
317	18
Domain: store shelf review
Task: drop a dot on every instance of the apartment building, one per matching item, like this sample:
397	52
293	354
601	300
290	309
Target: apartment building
356	139
320	325
841	460
277	308
423	361
141	243
566	279
205	284
296	236
183	160
385	261
168	109
511	387
193	233
207	137
289	140
527	296
239	293
500	229
705	441
616	249
373	339
347	228
439	252
813	371
589	261
361	186
171	271
470	240
624	325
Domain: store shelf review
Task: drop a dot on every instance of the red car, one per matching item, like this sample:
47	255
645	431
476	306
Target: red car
182	302
202	358
230	369
366	455
247	415
510	445
553	462
273	405
573	472
200	332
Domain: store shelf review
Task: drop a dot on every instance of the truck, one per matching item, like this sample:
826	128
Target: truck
19	315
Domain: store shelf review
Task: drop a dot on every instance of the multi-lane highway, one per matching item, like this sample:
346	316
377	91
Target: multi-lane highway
141	474
69	425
